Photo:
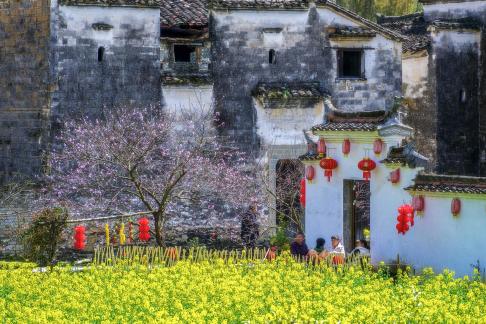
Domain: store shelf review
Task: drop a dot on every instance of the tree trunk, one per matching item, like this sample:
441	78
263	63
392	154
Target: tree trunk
159	224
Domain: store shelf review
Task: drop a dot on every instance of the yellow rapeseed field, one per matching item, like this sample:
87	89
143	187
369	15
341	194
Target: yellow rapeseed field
252	292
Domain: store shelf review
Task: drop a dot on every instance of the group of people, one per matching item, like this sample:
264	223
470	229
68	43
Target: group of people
300	249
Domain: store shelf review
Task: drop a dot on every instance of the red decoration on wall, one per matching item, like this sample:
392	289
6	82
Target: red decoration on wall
377	146
143	229
405	216
79	237
310	172
302	192
346	146
456	206
366	165
328	164
395	176
321	147
418	203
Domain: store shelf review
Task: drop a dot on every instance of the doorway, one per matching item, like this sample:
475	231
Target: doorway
356	222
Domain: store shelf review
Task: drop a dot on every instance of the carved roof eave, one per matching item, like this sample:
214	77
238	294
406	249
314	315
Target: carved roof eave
395	130
358	136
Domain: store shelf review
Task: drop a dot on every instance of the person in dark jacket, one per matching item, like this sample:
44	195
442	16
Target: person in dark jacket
249	227
299	248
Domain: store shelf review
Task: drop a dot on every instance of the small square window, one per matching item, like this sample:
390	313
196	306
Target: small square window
184	53
351	64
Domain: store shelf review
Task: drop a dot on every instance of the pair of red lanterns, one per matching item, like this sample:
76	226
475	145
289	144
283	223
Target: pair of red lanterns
405	216
143	229
377	146
328	164
79	238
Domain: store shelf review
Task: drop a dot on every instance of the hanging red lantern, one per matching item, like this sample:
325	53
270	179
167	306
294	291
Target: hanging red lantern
346	146
418	203
321	147
79	238
366	165
302	192
378	146
405	216
328	164
456	206
310	172
143	229
395	176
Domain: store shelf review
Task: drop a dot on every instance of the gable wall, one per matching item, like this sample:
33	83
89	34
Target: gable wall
240	52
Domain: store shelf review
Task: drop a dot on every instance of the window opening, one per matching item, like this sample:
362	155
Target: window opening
184	53
271	57
462	96
351	63
101	54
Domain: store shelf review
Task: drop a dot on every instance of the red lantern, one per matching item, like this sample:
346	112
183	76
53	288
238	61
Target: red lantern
455	206
366	165
310	172
418	203
143	229
328	164
405	215
79	238
321	147
346	146
377	146
302	192
395	176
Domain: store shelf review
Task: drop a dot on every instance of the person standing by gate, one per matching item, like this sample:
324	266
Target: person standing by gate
249	227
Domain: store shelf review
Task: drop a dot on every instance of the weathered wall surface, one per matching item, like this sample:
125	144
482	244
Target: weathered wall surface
24	85
130	70
457	65
476	10
419	91
241	41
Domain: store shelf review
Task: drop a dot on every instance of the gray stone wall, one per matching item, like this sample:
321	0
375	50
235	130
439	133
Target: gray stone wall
24	85
240	60
127	74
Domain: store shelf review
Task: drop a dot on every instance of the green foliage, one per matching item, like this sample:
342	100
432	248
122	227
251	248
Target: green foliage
280	239
369	9
42	238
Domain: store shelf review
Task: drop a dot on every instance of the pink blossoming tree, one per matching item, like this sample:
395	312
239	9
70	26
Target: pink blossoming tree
147	160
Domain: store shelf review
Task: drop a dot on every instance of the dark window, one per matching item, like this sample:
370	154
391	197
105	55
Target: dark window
351	63
184	53
271	57
101	54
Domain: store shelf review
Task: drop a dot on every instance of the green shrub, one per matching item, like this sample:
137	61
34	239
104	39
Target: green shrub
42	238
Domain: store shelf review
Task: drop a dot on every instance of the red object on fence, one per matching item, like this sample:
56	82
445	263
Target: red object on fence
395	176
346	146
321	147
302	192
418	203
366	165
143	229
377	146
455	206
310	172
328	164
405	216
79	238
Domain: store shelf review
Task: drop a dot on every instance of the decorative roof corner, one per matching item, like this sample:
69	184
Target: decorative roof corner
394	127
405	155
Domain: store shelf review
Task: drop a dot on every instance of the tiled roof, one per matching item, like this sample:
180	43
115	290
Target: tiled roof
287	90
413	26
448	184
405	155
310	157
350	32
113	3
463	23
190	13
367	121
264	4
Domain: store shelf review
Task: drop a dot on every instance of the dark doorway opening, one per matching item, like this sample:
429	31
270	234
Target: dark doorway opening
356	212
184	53
289	212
